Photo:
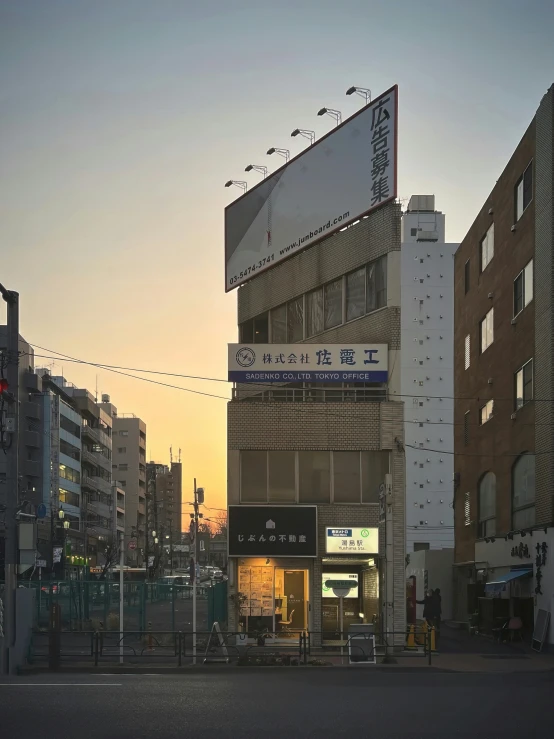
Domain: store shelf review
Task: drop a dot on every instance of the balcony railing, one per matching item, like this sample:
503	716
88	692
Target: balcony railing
97	434
311	395
96	483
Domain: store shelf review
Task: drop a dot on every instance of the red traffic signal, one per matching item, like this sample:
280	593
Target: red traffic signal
3	385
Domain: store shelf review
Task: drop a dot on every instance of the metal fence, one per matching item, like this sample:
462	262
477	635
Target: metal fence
92	605
176	648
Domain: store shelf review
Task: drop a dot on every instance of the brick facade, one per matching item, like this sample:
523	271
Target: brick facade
496	445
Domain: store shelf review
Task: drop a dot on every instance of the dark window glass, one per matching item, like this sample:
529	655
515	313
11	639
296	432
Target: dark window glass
375	465
253	477
333	304
355	294
346	477
69	450
247	331
314	477
314	312
527	186
518	294
466	428
279	325
261	329
282	477
376	293
295	320
70	427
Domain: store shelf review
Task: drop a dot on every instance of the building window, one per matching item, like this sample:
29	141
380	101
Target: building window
467	352
346	477
466	427
282	477
524	385
523	192
487	247
261	329
246	332
485	412
355	294
123	467
70	498
295	320
69	450
487	505
253	477
376	292
487	330
375	465
333	304
124	433
314	312
466	276
70	427
523	492
421	546
314	476
70	474
523	288
279	325
467	509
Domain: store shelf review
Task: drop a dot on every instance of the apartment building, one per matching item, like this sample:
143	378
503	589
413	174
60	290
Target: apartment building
129	472
427	376
309	462
504	386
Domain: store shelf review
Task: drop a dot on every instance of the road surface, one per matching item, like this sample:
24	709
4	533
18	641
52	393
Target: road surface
230	703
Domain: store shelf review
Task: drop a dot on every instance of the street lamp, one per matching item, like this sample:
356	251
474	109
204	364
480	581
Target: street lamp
61	514
66	525
283	152
237	183
363	92
258	168
304	132
336	114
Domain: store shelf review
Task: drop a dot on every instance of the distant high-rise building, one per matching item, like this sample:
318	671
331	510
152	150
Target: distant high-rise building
129	472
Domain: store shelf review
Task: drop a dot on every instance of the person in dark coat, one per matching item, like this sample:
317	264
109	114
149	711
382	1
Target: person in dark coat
429	607
438	609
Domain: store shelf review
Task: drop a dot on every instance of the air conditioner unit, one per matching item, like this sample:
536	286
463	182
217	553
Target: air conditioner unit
427	236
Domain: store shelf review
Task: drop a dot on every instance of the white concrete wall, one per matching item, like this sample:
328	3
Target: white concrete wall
427	370
437	563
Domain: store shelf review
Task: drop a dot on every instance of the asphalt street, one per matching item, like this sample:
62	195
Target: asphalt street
278	702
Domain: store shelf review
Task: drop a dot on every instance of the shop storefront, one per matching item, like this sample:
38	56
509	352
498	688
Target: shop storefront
272	549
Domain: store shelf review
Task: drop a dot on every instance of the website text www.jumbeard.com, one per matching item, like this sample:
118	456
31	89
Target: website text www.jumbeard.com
316	232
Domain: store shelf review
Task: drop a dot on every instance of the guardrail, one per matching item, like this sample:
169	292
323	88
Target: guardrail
102	647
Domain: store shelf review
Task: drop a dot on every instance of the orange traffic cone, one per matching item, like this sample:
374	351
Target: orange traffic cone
410	644
422	634
432	639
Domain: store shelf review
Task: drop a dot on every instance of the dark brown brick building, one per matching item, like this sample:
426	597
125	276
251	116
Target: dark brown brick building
503	377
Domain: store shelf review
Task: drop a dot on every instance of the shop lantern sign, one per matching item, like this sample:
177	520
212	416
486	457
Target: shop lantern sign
272	531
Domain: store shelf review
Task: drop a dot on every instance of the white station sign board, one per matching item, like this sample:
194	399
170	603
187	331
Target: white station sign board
352	540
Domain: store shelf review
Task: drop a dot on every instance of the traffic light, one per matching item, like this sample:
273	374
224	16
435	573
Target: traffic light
5	393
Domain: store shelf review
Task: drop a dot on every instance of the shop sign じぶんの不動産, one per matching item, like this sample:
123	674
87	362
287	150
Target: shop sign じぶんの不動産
272	531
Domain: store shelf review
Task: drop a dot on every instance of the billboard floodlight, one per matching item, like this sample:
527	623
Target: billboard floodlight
237	183
363	92
283	152
336	114
258	168
304	132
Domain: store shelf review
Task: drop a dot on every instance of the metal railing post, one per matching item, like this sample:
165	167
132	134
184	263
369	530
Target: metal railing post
428	642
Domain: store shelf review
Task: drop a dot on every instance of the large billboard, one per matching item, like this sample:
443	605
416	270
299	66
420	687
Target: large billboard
261	363
340	178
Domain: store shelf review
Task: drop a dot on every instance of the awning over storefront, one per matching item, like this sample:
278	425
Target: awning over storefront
498	585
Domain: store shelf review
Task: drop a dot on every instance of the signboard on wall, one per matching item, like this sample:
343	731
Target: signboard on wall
327	592
272	531
266	363
343	176
352	540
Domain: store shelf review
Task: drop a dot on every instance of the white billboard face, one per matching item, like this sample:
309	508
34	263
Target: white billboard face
341	177
308	363
351	540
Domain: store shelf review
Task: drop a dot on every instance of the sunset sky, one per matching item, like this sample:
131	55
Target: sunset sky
121	120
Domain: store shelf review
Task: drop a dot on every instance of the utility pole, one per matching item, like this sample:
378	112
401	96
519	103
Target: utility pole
198	500
12	469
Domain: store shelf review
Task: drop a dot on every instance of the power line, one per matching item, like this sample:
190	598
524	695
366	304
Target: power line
115	368
470	454
137	377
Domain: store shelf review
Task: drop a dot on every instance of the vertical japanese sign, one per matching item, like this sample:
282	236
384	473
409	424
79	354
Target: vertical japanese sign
340	178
